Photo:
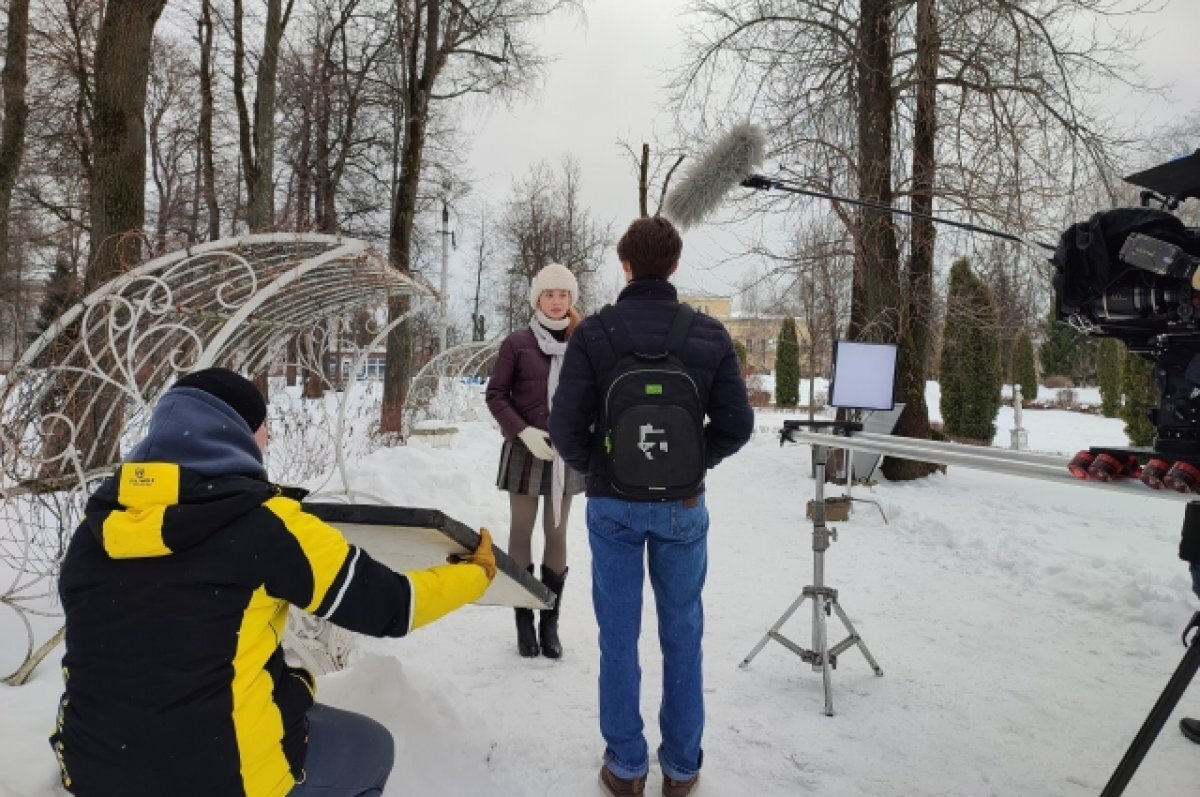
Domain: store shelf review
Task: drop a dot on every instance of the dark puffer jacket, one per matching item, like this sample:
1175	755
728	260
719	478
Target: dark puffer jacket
647	307
516	391
176	589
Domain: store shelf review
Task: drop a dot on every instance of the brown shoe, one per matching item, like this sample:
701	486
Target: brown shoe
620	787
679	788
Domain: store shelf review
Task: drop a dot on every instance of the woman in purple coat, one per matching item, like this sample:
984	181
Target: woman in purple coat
519	394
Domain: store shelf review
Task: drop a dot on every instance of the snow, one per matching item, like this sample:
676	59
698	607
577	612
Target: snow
1024	630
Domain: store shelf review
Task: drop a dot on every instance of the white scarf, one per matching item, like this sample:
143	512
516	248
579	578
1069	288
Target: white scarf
553	348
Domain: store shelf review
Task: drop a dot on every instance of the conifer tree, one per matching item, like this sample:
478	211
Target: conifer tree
971	375
1109	368
739	349
63	290
1024	369
1068	352
1137	383
787	365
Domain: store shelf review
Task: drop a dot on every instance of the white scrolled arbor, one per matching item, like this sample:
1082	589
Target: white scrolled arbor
80	394
443	389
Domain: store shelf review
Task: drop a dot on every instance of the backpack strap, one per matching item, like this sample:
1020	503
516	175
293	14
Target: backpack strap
617	334
623	344
680	328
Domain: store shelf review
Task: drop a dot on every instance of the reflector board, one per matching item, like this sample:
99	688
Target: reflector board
408	538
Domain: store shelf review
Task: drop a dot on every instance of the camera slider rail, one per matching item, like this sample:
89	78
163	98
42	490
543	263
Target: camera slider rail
840	428
1025	464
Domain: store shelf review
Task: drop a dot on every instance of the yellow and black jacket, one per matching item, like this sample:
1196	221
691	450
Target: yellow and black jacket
176	589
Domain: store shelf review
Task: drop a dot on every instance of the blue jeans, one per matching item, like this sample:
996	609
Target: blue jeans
349	755
676	539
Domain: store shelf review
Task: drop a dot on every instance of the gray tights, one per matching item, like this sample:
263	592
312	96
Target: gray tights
520	535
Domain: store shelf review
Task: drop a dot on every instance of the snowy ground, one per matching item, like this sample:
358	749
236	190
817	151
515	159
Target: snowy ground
1024	630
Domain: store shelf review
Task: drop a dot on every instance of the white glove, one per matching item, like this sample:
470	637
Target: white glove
538	442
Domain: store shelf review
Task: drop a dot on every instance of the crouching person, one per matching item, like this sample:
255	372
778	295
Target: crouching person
176	589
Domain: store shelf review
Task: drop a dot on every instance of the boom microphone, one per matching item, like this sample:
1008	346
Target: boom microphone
730	161
761	183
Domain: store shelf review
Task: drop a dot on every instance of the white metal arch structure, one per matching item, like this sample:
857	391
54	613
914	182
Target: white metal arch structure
442	388
80	392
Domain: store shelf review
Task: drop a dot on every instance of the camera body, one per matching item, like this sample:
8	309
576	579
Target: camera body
1134	274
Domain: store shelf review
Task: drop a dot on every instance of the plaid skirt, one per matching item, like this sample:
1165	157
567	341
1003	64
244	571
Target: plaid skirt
524	474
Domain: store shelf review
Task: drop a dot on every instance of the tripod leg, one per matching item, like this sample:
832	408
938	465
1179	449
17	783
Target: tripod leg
1158	716
821	650
773	630
819	645
858	640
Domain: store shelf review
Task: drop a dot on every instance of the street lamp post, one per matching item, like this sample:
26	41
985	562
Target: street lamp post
443	315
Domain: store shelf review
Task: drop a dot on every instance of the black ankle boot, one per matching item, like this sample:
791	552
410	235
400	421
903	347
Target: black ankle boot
527	641
548	626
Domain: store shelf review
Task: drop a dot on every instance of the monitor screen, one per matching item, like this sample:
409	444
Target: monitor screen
864	375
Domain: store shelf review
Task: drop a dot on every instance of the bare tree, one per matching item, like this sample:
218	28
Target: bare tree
13	80
544	222
654	166
329	107
995	126
256	133
448	49
208	184
485	262
173	119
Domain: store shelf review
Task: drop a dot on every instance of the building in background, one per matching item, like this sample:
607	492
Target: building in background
756	333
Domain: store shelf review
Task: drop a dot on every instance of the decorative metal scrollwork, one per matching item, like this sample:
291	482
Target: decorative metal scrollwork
80	395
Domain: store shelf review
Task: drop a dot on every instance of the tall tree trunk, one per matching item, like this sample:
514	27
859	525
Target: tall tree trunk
162	189
122	68
323	186
398	370
13	79
303	162
119	136
205	35
914	348
644	181
876	255
256	137
424	60
193	230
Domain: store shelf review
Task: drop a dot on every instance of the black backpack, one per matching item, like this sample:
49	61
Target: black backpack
653	418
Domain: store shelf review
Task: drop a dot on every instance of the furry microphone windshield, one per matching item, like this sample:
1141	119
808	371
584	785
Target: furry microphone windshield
732	159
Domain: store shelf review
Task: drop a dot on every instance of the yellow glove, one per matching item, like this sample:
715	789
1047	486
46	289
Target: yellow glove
483	555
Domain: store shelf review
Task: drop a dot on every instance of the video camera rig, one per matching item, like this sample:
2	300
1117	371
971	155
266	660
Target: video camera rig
1134	274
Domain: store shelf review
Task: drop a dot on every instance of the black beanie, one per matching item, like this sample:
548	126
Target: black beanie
232	388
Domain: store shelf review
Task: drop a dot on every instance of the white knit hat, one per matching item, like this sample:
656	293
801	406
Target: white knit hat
553	277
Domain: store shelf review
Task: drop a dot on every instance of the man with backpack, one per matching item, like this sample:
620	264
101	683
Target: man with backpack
637	383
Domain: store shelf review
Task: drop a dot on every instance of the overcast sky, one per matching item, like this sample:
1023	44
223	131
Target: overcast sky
607	84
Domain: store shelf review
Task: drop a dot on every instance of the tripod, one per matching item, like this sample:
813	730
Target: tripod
1157	718
822	656
1171	693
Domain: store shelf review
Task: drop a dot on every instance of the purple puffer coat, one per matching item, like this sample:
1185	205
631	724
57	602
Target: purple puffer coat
516	391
